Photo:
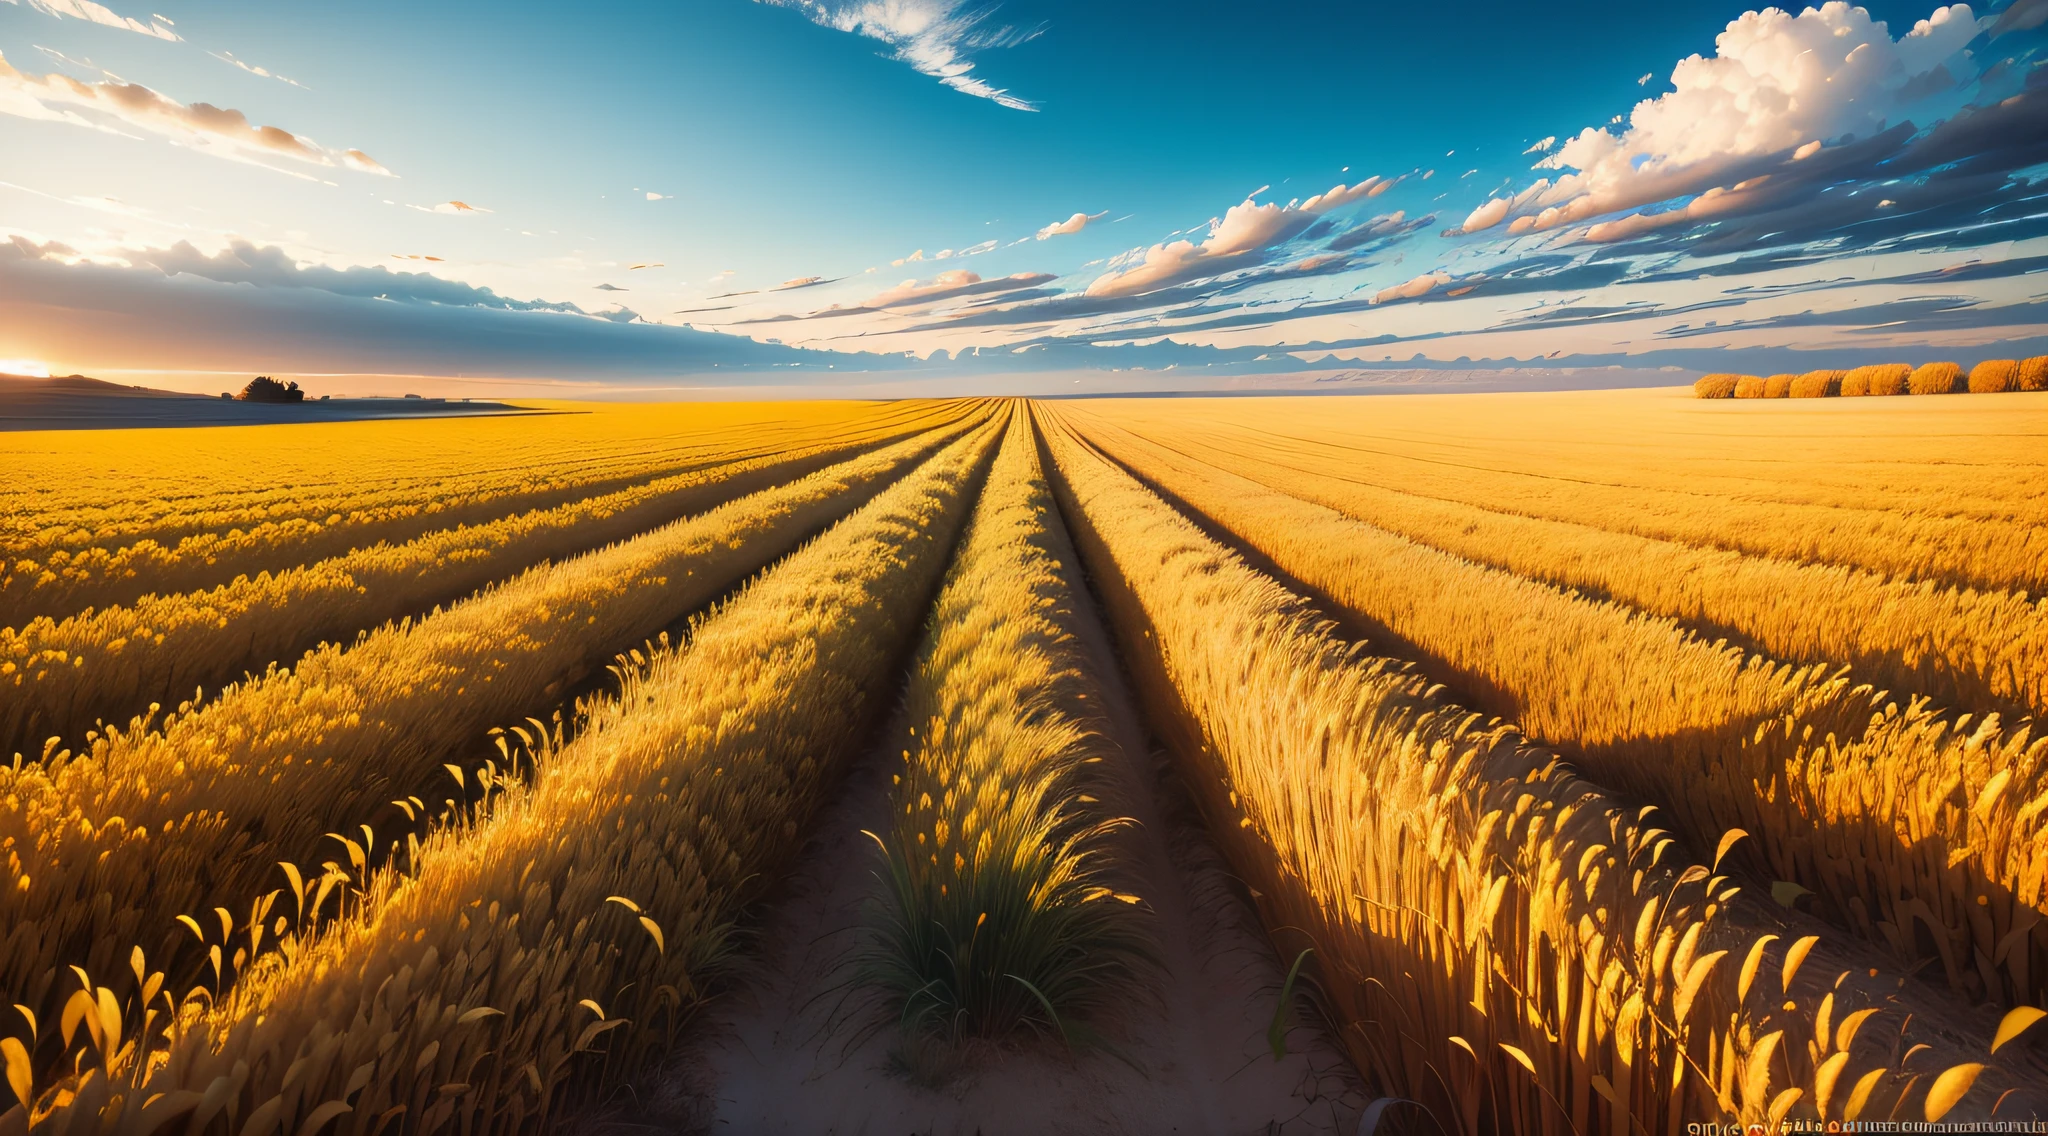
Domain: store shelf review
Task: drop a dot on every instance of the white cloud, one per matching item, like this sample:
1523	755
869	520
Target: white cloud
653	196
202	126
909	290
1247	228
1776	82
935	37
229	57
955	282
450	208
99	14
1645	80
1541	144
1071	225
1421	285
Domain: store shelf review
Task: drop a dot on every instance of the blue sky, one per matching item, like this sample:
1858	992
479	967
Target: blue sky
1281	186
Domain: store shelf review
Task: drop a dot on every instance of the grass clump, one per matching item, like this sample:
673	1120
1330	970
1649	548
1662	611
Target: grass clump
997	915
1779	386
2033	373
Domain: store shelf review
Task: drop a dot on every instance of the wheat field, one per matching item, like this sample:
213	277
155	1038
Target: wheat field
1586	762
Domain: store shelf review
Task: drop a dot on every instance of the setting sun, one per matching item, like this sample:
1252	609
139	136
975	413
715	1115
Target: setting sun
27	368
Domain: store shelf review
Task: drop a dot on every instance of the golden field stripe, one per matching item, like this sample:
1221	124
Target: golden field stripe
1498	939
1968	649
116	487
556	945
111	664
67	581
106	849
1885	532
1845	793
996	891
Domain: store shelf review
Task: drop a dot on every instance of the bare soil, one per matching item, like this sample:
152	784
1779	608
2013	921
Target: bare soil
795	1048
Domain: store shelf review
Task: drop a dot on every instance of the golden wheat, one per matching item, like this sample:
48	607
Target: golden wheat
998	911
1995	376
89	487
1818	384
1881	379
66	580
1498	940
537	956
1847	793
112	663
1967	649
1890	495
1716	386
1936	378
106	849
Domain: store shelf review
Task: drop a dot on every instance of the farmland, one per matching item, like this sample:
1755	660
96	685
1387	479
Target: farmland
1560	763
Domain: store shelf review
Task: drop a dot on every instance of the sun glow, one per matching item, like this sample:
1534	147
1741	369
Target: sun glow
27	368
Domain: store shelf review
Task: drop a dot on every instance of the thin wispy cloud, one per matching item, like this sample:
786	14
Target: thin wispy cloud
111	105
935	37
100	14
251	68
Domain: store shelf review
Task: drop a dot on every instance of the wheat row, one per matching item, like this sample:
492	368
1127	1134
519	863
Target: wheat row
118	487
531	959
1497	939
106	848
1958	458
111	663
1883	533
67	581
1980	651
999	907
1893	815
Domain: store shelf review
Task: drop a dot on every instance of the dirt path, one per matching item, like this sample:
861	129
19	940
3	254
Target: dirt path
794	1050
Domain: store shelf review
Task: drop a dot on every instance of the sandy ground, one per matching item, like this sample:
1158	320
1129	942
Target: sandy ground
793	1050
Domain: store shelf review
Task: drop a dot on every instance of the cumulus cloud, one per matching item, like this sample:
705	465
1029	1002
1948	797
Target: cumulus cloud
113	104
935	37
1541	144
158	27
1776	83
1071	225
800	282
1246	229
